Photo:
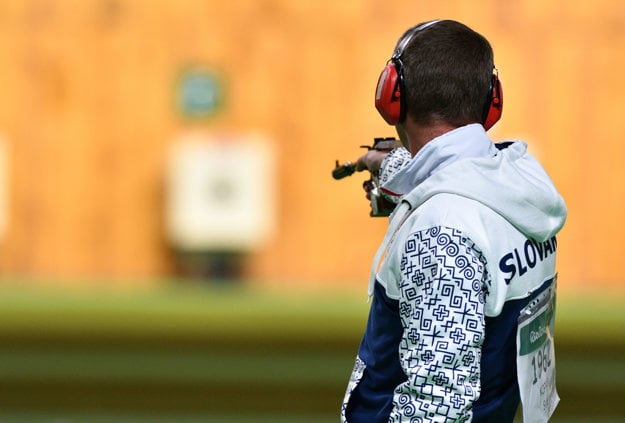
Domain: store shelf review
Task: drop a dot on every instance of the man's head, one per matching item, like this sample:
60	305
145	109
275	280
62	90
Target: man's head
444	73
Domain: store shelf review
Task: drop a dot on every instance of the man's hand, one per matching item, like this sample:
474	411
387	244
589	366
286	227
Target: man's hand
371	161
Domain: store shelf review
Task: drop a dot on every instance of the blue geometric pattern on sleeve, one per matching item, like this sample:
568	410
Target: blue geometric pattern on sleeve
394	161
442	289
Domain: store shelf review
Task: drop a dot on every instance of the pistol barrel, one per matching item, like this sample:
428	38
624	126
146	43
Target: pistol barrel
343	170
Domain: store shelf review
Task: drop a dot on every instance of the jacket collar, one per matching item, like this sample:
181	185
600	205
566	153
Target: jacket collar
461	143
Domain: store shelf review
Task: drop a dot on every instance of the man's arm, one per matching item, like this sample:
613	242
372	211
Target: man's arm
384	164
441	308
396	160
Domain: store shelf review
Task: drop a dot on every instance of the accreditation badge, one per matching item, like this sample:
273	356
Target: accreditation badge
536	364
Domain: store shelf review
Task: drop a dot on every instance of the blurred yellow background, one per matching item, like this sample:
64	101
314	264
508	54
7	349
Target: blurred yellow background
99	97
88	117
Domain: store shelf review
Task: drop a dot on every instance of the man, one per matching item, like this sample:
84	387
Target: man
461	322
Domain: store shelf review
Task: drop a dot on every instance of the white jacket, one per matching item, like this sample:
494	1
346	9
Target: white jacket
503	200
475	229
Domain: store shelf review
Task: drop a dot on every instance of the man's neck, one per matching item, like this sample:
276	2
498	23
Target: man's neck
418	135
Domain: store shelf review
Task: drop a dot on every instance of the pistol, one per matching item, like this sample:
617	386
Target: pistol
380	206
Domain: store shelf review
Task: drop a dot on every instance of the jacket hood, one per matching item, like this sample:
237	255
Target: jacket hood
509	181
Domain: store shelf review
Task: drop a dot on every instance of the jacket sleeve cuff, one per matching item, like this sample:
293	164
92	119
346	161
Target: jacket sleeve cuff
394	161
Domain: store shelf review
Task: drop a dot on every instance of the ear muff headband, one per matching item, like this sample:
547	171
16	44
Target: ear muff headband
390	103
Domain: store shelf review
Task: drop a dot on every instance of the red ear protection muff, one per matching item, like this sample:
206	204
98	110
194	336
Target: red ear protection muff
494	104
388	99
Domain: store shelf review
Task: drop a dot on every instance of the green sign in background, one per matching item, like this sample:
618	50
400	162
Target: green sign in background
199	92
